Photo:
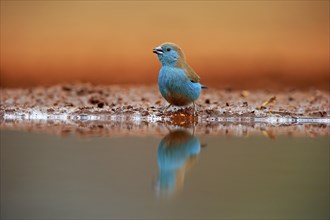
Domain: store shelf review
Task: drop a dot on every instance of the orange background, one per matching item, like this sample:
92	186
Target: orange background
242	44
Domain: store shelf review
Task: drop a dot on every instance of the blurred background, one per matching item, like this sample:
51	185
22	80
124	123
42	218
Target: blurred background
238	44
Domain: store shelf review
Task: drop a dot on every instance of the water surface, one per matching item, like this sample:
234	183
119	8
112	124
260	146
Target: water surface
176	176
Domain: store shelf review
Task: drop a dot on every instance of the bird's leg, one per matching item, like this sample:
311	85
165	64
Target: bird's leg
167	108
194	109
168	128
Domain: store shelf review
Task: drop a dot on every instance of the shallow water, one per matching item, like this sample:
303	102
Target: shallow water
171	177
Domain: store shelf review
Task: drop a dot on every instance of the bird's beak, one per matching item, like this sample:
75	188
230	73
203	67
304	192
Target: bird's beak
158	50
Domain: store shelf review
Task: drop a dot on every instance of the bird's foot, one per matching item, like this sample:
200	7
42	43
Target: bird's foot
165	109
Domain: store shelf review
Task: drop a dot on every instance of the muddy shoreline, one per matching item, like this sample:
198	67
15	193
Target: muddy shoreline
114	110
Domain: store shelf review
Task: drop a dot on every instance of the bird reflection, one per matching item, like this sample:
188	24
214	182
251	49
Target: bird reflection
177	152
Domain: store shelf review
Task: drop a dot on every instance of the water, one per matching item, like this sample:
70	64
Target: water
173	176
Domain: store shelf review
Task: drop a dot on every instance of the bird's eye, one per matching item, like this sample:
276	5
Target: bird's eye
168	49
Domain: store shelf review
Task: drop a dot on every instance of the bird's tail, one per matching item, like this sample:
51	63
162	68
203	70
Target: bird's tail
204	87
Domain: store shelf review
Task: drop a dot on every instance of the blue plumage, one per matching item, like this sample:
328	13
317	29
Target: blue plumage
176	87
175	152
178	83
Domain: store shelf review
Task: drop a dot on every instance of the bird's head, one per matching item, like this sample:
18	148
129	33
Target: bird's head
169	54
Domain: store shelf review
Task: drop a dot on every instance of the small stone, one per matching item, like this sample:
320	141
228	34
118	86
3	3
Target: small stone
245	93
66	88
100	105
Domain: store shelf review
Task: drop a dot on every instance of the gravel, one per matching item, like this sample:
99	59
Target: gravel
103	107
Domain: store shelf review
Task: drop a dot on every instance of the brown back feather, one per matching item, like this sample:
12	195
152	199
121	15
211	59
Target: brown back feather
191	73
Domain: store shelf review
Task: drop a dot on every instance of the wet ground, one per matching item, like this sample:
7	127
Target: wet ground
145	103
89	152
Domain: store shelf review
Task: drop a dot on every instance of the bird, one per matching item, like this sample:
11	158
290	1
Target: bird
177	81
176	154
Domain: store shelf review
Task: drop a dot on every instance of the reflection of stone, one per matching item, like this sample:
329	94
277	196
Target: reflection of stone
177	151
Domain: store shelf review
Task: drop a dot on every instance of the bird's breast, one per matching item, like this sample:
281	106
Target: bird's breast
176	88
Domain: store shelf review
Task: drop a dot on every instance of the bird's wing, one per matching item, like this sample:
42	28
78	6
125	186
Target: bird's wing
192	75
